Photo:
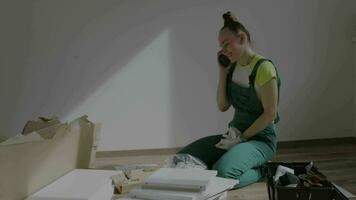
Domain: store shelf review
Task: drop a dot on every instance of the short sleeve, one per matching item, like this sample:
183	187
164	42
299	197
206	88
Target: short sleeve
265	72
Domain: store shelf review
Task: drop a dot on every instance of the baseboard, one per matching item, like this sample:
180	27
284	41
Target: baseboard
169	151
138	152
312	142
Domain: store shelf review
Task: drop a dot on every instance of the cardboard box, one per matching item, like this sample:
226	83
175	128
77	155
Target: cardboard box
27	167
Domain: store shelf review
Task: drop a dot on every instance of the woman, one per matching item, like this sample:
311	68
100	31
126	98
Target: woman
251	85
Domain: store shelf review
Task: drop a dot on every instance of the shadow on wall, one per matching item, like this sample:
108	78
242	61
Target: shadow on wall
64	72
193	73
15	20
73	56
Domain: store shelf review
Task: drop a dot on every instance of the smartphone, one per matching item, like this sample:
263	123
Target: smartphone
224	60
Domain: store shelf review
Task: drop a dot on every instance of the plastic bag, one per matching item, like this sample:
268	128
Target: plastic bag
184	161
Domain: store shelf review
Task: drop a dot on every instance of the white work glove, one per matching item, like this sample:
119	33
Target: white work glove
230	139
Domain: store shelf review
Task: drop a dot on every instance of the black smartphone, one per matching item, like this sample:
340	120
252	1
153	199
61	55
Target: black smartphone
224	60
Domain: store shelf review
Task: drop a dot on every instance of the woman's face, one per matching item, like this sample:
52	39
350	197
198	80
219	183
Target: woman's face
231	44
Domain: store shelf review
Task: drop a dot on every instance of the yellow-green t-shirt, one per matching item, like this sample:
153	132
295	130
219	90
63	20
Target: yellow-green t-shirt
265	73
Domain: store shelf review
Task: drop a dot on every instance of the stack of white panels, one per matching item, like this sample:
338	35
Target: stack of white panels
183	184
176	178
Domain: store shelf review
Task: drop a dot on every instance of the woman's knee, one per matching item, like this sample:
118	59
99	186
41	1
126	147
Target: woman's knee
227	171
206	139
205	150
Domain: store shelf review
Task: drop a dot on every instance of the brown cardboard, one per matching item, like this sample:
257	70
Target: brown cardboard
39	123
27	167
136	177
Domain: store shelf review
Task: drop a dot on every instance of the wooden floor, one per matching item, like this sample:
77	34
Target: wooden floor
336	158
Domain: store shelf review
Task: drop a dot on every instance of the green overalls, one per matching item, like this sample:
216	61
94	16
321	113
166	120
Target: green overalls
242	161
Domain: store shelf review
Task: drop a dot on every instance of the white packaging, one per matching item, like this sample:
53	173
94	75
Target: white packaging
79	184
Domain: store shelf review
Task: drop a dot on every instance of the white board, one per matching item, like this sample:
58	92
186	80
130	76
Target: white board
79	184
176	178
217	186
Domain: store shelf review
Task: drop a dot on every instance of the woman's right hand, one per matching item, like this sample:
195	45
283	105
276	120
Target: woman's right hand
223	69
223	103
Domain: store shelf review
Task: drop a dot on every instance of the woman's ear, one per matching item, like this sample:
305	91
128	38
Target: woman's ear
242	37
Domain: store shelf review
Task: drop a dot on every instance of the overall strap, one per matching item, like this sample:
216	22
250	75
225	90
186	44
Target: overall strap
231	71
252	78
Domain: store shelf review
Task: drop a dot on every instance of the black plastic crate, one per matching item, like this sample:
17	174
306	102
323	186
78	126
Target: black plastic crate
276	192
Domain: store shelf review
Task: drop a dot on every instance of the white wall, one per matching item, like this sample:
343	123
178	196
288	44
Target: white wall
321	104
146	69
354	83
15	34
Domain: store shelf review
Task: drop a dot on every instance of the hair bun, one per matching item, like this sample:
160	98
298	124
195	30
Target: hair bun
229	18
